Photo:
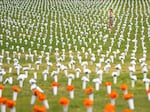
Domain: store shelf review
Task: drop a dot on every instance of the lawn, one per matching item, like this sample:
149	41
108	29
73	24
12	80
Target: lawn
68	33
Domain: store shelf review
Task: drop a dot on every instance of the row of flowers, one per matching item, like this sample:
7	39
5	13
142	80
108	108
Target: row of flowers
88	102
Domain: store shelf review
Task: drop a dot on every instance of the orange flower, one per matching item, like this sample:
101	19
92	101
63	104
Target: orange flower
3	100
64	101
54	84
70	88
16	88
87	102
108	83
1	86
124	87
10	103
128	96
89	90
109	108
36	92
41	97
37	108
148	91
113	95
127	110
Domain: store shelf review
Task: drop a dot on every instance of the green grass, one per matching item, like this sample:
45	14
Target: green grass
68	22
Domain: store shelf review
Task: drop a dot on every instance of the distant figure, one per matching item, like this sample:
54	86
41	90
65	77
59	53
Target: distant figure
110	19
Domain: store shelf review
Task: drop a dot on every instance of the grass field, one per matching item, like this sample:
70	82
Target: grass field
63	31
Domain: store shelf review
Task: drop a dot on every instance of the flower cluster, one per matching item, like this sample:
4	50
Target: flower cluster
87	102
113	95
128	96
89	90
54	84
37	108
108	83
16	88
124	87
64	101
70	88
109	108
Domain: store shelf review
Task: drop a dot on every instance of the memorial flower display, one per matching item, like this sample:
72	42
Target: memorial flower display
75	49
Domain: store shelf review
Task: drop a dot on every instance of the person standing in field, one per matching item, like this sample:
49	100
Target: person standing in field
111	20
